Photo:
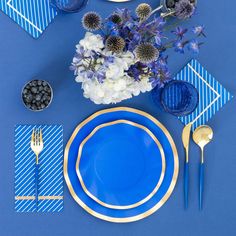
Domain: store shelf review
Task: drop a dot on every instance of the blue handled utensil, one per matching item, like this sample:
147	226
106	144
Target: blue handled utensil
201	184
202	136
37	147
185	140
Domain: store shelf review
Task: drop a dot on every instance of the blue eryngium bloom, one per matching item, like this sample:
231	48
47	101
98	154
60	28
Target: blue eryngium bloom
179	32
194	46
199	30
159	80
160	72
184	9
179	46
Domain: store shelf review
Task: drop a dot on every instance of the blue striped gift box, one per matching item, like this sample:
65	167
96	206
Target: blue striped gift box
50	184
212	95
32	15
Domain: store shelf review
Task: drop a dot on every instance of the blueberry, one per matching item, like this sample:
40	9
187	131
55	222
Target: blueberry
33	107
38	97
45	83
40	88
39	82
29	98
25	91
45	89
34	90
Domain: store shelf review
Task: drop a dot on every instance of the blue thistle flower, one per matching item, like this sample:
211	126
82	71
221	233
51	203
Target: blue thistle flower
179	32
184	9
199	30
179	46
194	46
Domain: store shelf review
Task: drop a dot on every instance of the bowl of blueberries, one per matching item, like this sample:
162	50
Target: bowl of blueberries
37	95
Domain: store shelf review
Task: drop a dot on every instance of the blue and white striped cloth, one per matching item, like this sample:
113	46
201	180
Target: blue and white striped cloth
32	15
212	95
50	182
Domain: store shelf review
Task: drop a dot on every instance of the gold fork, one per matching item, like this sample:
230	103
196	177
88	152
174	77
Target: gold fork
37	147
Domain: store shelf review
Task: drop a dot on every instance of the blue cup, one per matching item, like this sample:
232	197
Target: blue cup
178	98
69	6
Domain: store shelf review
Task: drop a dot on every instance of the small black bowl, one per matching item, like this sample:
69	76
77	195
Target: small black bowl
37	95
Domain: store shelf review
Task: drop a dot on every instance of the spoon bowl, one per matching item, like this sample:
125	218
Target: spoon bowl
202	136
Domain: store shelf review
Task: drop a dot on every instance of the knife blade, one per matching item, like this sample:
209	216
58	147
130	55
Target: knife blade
185	140
186	136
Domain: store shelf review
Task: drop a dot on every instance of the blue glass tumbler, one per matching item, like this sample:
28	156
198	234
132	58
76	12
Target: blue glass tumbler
69	6
179	98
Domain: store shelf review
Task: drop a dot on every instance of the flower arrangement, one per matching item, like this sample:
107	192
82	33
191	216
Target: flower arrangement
128	54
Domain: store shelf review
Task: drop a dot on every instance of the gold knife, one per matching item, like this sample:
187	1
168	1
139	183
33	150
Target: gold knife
185	140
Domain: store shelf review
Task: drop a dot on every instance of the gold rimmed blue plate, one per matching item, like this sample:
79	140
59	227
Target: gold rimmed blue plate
124	215
120	164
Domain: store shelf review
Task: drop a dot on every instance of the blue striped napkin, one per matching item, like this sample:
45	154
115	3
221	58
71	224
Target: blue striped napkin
32	15
212	95
50	185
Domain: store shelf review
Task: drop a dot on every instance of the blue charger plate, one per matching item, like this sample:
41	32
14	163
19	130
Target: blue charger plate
121	164
116	215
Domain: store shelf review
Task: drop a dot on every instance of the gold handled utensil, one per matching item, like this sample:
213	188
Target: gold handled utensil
37	147
202	136
185	139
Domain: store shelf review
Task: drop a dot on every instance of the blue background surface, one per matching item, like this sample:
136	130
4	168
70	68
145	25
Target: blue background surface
22	58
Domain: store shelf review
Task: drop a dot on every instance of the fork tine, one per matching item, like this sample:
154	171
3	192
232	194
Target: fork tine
33	136
41	136
38	138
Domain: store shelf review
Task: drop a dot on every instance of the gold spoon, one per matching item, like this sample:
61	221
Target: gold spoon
202	136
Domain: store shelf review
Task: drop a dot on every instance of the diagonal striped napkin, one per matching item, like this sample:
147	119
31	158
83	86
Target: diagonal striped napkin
50	183
32	15
212	95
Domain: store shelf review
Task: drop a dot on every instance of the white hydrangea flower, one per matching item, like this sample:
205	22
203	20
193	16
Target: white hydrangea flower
114	91
92	42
